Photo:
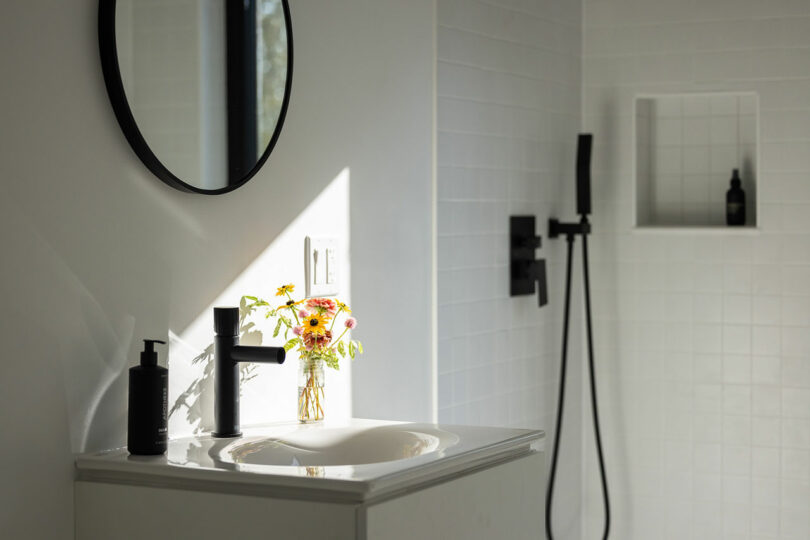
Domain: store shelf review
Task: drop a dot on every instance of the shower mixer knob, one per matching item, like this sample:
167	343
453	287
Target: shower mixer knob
525	269
531	242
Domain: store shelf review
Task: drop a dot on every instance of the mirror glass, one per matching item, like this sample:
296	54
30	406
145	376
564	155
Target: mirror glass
206	83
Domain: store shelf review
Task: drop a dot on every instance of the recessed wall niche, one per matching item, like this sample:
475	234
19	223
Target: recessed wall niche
686	148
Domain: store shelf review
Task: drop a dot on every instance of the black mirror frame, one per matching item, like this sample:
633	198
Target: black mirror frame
115	90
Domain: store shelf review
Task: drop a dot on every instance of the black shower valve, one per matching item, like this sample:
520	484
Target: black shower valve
528	269
525	270
528	242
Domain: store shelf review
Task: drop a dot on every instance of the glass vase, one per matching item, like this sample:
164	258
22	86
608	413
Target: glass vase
311	382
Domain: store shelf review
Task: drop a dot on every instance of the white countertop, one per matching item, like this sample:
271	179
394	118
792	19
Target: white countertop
251	464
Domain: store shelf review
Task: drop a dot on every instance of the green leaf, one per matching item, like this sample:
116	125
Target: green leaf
359	347
341	349
278	327
351	349
290	344
332	362
250	298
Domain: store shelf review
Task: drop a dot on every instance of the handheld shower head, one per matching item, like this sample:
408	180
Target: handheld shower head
584	143
571	230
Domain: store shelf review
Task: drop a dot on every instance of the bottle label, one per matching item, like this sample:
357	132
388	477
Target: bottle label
165	406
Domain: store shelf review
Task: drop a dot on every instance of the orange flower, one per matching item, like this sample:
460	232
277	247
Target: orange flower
314	340
290	304
285	289
315	323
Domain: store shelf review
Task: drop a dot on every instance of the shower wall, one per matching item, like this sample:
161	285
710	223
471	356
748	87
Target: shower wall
703	338
508	110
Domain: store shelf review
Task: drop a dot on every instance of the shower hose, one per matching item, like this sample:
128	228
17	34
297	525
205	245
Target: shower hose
561	398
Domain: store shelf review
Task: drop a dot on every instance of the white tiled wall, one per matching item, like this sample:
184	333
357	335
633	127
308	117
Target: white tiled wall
703	340
508	114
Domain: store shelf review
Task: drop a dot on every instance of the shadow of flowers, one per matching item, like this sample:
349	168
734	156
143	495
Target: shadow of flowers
197	398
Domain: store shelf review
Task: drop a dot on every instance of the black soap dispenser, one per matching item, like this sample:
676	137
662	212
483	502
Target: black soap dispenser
735	201
148	404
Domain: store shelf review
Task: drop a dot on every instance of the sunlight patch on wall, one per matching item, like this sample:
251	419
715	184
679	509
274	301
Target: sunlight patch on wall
269	392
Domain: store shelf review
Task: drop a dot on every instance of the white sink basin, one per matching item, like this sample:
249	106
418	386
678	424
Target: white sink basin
350	445
345	461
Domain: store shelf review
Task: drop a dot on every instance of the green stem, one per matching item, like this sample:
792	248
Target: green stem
335	342
334	319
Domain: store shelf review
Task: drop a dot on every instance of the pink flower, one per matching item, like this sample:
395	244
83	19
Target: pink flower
303	314
326	304
351	322
298	330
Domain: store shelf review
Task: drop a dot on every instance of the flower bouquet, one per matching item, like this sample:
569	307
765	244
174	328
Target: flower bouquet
312	323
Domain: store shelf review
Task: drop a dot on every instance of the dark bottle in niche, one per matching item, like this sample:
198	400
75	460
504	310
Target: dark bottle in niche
735	201
148	404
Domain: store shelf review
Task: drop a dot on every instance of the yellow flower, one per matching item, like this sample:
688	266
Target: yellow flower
285	289
315	324
343	306
290	304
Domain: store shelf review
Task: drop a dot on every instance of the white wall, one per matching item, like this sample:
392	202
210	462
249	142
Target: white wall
703	343
508	113
97	253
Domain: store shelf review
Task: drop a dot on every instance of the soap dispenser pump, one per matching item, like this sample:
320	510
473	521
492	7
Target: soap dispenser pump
148	404
735	201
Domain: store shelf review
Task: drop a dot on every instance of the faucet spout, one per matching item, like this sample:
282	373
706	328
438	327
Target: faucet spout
266	355
227	355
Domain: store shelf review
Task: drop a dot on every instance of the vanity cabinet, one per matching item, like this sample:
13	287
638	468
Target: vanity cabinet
499	501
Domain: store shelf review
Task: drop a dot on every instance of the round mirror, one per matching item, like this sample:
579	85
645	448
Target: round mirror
199	87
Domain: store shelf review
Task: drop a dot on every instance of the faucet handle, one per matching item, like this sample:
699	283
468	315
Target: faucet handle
226	321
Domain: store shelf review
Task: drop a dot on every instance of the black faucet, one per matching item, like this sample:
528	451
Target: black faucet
227	355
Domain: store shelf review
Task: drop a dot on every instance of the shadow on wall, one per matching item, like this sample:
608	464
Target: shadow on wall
197	400
62	331
612	351
90	397
749	185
